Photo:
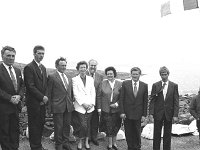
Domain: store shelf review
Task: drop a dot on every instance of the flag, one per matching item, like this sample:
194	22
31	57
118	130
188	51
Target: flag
190	4
165	9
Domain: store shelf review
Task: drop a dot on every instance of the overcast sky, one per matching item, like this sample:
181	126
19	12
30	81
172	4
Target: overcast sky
122	33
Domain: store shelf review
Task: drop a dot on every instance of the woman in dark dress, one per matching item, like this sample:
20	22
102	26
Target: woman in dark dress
107	104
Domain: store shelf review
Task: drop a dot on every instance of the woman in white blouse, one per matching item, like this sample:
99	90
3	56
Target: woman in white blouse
84	94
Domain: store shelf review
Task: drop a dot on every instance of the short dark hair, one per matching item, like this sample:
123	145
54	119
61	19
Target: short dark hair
60	59
111	69
37	47
163	69
9	48
81	63
136	69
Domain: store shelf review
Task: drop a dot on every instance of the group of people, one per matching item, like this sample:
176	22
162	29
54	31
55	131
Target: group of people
83	101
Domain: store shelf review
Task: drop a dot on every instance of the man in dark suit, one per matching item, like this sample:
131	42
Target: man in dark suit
35	78
133	106
11	92
61	104
164	106
95	117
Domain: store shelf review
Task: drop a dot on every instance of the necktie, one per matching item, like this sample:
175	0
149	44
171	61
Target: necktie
135	89
92	75
164	84
65	81
164	92
40	67
14	81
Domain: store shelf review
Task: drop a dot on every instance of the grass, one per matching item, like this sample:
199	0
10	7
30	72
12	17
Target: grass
186	142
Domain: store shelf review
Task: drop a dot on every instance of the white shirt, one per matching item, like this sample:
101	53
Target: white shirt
165	88
8	70
60	74
112	87
37	63
137	84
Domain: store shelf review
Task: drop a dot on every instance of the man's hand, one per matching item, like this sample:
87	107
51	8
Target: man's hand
45	99
143	119
151	119
175	119
15	99
123	116
113	105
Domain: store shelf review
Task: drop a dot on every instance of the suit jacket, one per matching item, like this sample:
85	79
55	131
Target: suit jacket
83	94
98	78
195	106
133	107
7	90
169	106
104	98
36	85
60	99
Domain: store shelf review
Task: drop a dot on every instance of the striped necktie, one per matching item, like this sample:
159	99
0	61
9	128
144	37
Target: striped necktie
14	81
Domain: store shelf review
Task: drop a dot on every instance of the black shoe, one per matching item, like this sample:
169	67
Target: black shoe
115	147
95	142
109	148
87	148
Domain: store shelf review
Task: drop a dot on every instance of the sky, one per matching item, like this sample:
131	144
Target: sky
122	34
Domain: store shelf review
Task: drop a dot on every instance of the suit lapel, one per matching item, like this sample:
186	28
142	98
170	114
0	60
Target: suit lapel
59	79
6	75
169	90
37	69
131	88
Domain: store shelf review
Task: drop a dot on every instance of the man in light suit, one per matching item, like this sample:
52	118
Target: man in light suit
164	107
133	106
11	92
35	78
98	78
61	104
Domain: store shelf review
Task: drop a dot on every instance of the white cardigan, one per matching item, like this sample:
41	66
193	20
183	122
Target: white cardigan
83	94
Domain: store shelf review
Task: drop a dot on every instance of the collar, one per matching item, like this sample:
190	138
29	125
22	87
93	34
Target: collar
7	67
37	63
137	83
167	83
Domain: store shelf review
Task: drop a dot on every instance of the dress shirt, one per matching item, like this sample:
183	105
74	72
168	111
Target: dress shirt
60	74
165	88
8	70
137	85
112	87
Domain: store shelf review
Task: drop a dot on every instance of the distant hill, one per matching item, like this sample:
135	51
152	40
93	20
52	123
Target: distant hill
73	72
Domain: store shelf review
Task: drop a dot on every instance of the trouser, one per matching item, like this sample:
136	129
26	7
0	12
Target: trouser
133	133
166	135
36	122
9	130
94	124
61	129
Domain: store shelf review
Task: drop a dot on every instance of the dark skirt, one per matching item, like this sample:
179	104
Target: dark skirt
81	124
110	123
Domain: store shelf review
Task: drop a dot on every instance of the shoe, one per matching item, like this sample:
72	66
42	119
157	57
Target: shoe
43	148
95	142
87	148
109	148
79	148
115	147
